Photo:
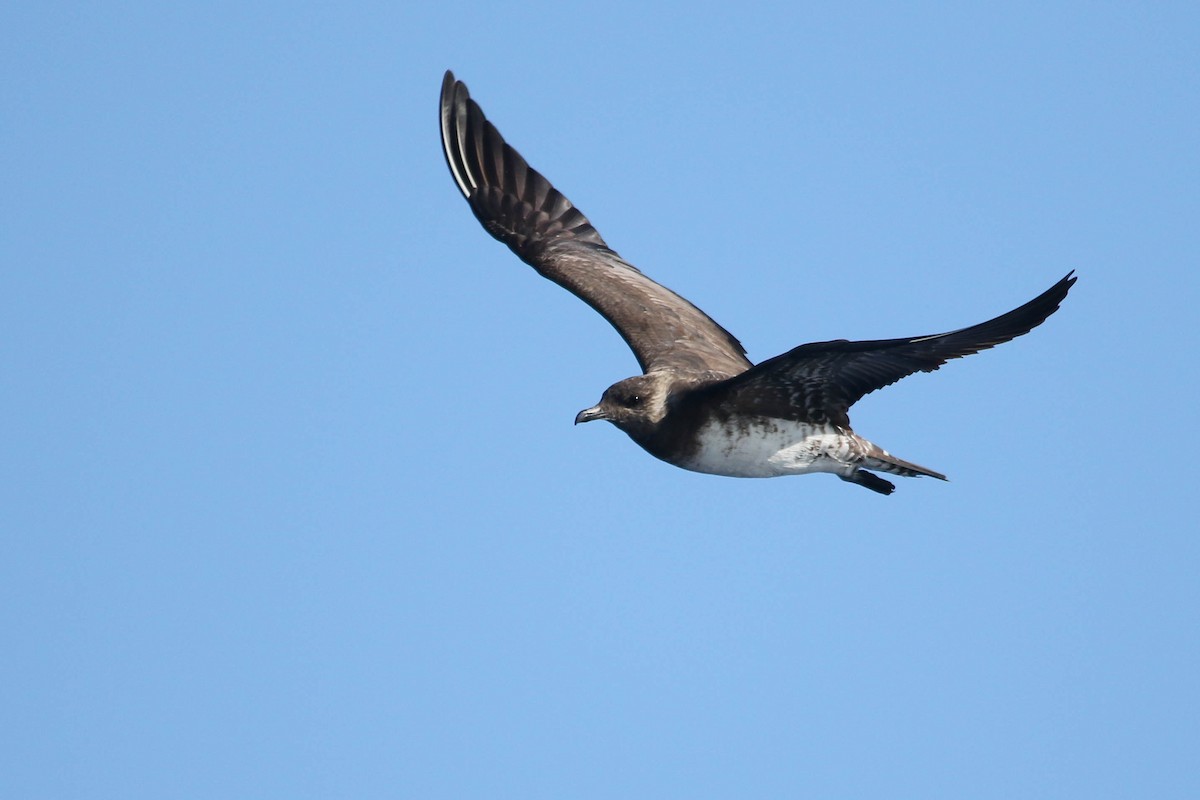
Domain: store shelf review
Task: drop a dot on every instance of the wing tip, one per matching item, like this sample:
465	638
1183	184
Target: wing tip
514	202
452	109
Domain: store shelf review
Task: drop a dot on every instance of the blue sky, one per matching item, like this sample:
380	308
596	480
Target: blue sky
293	503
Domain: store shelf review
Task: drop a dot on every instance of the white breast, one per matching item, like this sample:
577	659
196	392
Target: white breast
767	448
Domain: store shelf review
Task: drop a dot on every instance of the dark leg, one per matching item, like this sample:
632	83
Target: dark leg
870	480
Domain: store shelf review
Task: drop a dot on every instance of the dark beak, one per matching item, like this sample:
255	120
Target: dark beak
589	414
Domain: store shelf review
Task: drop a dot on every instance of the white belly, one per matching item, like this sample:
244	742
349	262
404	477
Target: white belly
771	447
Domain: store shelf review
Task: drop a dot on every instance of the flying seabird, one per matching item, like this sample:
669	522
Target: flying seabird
700	404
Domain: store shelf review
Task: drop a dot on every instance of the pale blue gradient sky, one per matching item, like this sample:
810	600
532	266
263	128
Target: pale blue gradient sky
293	504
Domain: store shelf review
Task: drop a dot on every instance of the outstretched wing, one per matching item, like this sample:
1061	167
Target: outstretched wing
819	382
519	207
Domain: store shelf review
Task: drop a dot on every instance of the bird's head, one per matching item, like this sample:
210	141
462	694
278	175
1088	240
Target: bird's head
635	405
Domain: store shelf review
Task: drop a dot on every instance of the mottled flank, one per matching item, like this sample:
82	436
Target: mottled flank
700	404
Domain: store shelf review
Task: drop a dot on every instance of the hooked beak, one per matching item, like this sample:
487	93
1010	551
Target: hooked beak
589	414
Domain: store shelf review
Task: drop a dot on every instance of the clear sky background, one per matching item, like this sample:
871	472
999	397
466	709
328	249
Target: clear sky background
292	503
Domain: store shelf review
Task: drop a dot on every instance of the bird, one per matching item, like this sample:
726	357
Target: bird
700	403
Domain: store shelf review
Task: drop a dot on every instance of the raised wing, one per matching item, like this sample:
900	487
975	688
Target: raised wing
519	207
819	382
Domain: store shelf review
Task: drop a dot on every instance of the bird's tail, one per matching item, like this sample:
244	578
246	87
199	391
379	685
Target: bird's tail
877	458
884	461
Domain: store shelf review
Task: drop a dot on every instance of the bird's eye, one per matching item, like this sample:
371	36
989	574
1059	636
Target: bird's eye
633	400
